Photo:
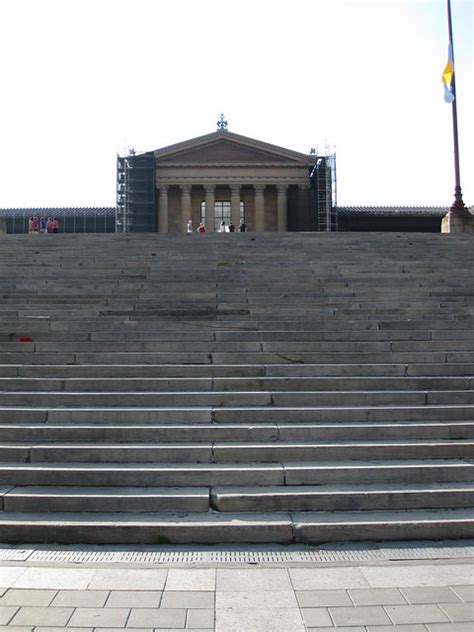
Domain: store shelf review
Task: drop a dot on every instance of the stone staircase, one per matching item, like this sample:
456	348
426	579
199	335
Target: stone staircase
236	388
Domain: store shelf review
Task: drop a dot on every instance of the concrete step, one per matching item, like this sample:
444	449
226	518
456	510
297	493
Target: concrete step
250	452
63	371
233	384
213	528
251	474
269	433
125	415
237	398
342	497
106	499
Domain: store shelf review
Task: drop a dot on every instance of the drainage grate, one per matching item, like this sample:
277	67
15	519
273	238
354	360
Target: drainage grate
15	555
236	556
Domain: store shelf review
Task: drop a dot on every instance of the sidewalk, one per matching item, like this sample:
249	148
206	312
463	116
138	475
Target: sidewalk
369	587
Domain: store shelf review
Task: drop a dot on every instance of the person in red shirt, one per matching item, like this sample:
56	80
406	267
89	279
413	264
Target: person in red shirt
201	228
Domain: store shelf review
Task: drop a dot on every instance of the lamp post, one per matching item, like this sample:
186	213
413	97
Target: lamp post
458	207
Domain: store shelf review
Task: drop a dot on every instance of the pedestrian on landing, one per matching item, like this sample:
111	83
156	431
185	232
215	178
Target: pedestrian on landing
242	227
35	225
49	225
42	227
201	228
231	228
222	227
30	225
55	225
189	227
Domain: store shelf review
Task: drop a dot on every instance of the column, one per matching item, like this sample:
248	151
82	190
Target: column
259	210
186	213
210	210
235	204
282	205
163	209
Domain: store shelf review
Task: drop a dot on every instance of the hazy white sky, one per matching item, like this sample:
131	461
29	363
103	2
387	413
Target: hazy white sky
83	79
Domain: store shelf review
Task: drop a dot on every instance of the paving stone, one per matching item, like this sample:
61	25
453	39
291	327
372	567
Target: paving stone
277	620
421	613
323	598
239	580
357	628
363	615
316	617
466	593
165	618
99	617
16	628
191	579
122	630
75	598
10	574
202	618
416	627
418	575
376	596
7	613
65	629
39	616
134	599
55	578
327	578
187	599
432	594
449	627
16	597
459	611
255	600
128	579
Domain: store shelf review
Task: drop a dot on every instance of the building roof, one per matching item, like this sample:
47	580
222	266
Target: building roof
394	211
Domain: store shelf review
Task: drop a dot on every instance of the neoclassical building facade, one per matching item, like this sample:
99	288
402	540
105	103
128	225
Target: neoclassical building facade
221	176
225	176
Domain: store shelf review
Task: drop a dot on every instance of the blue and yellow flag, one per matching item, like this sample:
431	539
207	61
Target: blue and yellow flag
448	76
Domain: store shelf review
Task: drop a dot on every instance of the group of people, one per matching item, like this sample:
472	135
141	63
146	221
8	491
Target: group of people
223	227
43	225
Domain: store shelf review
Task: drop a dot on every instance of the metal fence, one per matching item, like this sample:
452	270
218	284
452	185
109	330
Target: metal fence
71	220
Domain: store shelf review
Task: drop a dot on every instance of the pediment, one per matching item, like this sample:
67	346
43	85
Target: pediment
227	148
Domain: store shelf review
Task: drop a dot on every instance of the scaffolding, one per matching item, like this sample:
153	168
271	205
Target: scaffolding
323	180
136	193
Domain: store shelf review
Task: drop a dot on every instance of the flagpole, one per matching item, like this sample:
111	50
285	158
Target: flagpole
458	207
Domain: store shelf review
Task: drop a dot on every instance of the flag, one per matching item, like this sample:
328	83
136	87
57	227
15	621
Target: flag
448	76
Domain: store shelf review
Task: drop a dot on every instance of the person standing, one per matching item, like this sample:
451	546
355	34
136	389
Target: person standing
201	228
242	227
189	227
231	228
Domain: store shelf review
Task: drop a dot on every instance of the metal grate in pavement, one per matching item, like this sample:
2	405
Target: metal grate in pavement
237	556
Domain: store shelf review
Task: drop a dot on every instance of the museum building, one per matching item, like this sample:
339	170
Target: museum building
227	177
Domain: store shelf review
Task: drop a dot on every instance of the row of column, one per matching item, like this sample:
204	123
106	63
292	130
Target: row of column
259	206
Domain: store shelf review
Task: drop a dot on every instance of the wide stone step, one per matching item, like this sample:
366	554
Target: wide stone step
261	357
106	499
235	499
200	452
152	433
273	474
123	415
213	528
63	371
238	398
237	384
342	497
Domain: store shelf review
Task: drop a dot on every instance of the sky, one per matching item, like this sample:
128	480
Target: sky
83	80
